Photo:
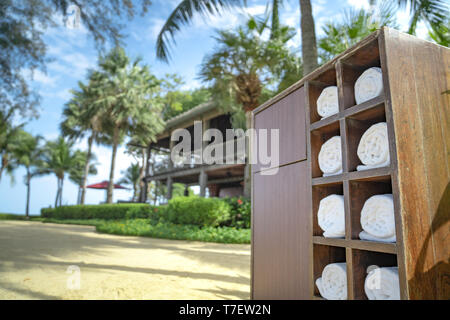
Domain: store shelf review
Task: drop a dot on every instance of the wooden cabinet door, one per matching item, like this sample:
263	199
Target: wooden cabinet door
288	116
281	234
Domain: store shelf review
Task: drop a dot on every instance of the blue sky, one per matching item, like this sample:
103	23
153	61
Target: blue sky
73	53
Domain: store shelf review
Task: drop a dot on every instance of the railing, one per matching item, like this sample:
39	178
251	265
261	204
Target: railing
233	151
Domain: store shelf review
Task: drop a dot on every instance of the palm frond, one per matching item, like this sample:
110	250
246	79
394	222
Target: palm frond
183	14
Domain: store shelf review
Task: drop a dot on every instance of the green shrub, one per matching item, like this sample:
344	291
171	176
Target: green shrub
198	211
102	211
10	216
167	230
240	213
144	212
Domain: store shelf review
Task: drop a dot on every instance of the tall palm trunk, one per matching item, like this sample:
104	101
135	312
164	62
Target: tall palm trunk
61	193
3	166
309	44
109	195
58	190
86	168
142	188
27	210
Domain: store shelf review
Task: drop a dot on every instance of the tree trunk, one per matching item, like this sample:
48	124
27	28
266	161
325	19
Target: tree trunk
61	193
109	195
134	192
86	169
57	192
27	210
309	44
3	166
79	195
142	188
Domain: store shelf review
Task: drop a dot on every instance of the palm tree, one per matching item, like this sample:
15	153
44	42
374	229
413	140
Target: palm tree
132	178
441	33
309	44
244	64
128	95
432	12
59	158
8	142
355	26
30	155
77	172
81	118
183	14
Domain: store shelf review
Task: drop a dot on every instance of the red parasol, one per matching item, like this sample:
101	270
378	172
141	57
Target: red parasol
104	185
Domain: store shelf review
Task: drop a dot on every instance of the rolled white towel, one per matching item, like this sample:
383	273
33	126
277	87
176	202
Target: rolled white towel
373	148
382	284
333	283
377	219
327	103
330	157
331	216
369	85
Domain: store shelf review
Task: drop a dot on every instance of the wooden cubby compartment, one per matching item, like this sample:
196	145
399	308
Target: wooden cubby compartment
359	192
361	260
322	256
318	138
355	126
353	66
315	87
318	193
414	77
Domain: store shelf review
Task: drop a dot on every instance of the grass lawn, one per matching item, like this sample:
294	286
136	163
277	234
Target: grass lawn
10	216
152	229
166	230
162	230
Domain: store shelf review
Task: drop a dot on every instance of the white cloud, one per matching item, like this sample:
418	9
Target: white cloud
359	4
43	78
63	94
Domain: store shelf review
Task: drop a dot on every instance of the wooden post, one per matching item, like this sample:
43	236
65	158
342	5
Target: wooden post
169	185
203	180
169	182
248	167
144	193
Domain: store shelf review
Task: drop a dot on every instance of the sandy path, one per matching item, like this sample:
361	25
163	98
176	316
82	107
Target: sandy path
34	258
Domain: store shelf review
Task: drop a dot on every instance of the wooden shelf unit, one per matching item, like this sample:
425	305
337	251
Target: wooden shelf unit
350	123
416	75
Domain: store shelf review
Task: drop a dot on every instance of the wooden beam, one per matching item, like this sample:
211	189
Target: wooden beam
190	171
219	181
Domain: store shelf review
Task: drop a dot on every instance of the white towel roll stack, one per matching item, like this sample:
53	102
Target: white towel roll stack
330	157
382	284
369	85
377	219
327	103
373	148
333	283
331	216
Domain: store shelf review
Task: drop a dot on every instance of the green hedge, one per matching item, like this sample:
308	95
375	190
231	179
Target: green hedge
240	213
167	230
102	211
197	211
